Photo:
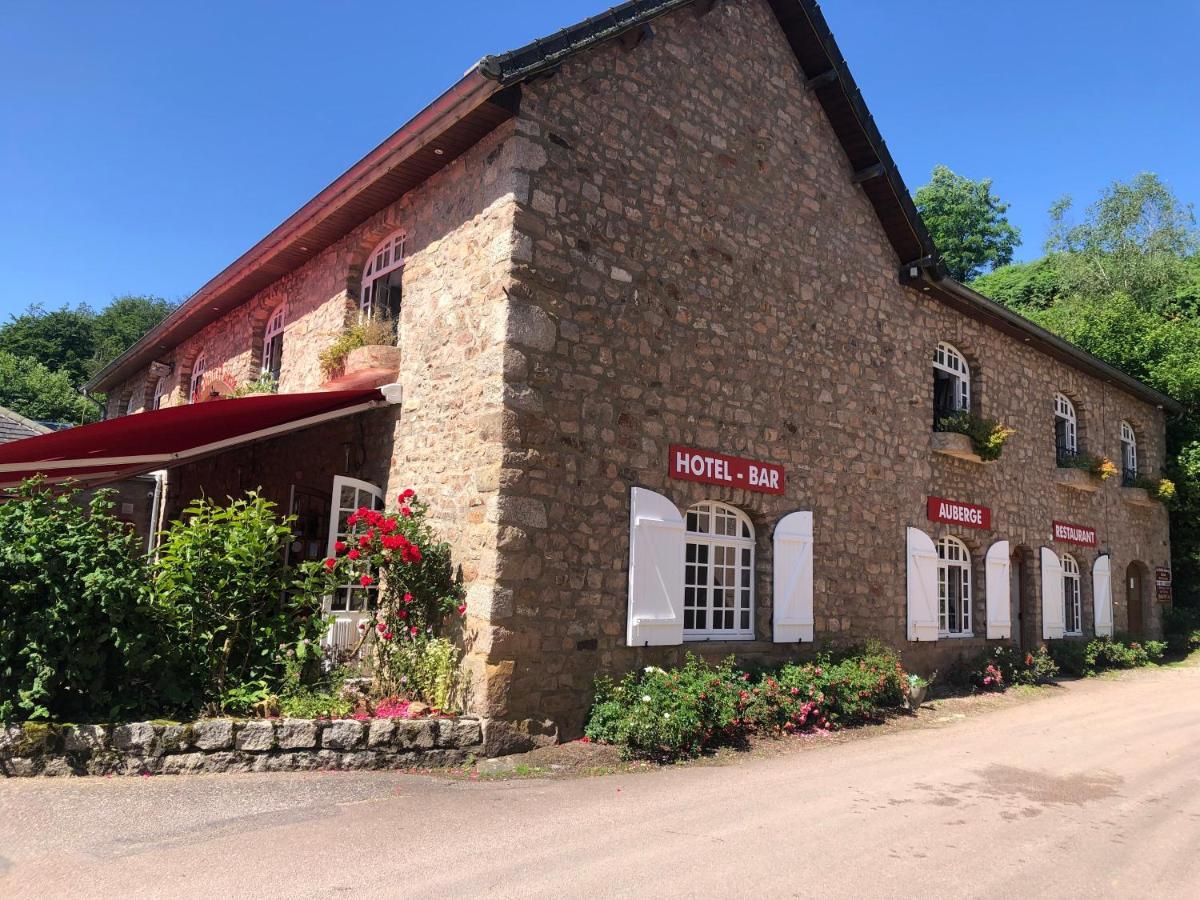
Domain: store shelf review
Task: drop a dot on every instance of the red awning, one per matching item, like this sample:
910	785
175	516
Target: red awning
131	445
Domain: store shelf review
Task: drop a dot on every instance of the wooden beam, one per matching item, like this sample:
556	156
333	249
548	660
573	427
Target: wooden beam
825	78
868	173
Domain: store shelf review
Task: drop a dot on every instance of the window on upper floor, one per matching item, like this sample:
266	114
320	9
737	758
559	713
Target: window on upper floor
954	588
382	291
718	579
196	385
951	383
1072	596
160	391
272	347
136	395
1066	430
1129	455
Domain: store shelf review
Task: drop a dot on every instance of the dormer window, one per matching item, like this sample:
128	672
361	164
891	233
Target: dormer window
272	348
951	383
1066	430
1129	455
381	282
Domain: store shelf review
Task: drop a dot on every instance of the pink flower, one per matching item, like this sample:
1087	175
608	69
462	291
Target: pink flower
387	635
462	610
403	614
413	631
408	598
381	627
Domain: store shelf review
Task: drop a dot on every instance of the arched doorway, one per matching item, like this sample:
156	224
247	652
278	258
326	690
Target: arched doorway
1135	599
1024	617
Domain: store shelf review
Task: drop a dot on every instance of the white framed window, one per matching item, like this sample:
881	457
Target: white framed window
718	574
351	603
1072	596
954	588
160	391
951	382
381	281
135	400
199	368
1066	428
272	347
1129	454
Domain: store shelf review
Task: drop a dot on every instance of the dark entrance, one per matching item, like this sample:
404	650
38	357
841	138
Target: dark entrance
1135	604
1023	618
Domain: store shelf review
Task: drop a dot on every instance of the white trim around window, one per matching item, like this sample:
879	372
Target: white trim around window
160	391
1129	452
954	588
1064	409
199	368
718	580
386	258
1072	597
272	345
946	358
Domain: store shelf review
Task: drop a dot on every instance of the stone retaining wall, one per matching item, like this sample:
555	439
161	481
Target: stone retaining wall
228	745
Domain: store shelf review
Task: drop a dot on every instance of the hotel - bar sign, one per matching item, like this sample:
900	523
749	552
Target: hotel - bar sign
706	467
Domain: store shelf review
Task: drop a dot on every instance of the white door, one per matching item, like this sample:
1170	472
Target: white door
352	602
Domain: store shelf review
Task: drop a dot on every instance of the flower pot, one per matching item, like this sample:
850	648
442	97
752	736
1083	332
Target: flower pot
916	696
1078	480
950	443
367	367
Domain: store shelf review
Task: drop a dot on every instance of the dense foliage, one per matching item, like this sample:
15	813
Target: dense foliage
80	633
46	355
669	714
967	222
988	436
221	574
1098	655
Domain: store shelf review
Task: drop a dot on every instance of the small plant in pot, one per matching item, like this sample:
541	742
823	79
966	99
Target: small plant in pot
915	689
365	331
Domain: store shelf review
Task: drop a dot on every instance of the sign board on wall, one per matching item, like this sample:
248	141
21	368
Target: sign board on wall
1067	533
951	512
1162	583
706	467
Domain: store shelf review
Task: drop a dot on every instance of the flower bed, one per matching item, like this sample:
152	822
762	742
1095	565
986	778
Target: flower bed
228	745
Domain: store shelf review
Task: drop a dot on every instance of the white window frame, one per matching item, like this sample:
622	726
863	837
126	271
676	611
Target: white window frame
704	576
1129	452
1064	409
160	391
199	369
947	358
387	257
135	397
954	561
1072	596
273	332
344	630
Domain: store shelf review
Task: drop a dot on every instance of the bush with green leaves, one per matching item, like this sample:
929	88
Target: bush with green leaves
1019	667
81	638
220	573
1181	625
1101	654
988	436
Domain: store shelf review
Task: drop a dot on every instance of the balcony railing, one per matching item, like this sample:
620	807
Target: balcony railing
1066	459
1129	477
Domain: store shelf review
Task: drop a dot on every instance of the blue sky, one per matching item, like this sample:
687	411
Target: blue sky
145	145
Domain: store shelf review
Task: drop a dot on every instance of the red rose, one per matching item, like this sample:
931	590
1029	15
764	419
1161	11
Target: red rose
340	546
387	635
408	598
364	540
381	628
403	614
413	631
409	492
366	581
331	564
462	610
353	554
389	525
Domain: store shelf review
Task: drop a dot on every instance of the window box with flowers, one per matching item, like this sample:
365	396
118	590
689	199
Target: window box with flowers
364	355
1081	472
1148	492
965	435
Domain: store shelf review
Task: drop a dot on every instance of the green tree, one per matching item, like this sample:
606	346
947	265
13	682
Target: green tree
61	339
122	323
967	222
36	392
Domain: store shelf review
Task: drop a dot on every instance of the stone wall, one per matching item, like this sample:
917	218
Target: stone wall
227	745
702	271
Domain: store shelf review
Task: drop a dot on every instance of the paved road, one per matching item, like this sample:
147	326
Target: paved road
1094	791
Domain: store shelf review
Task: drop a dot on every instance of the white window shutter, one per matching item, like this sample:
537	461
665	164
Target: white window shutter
922	587
1102	595
999	591
1053	615
656	551
793	579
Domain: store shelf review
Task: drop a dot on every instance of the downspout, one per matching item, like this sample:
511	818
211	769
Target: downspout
83	392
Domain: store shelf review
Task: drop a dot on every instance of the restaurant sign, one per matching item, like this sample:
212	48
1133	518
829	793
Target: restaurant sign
951	512
1067	533
729	471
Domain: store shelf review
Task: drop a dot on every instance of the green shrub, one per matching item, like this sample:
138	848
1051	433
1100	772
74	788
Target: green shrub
80	636
315	704
1181	624
1017	667
664	715
220	573
1102	654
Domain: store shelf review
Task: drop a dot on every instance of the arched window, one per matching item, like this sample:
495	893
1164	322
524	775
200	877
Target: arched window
951	383
381	281
160	391
1129	457
1066	431
718	592
135	399
954	588
1072	596
199	367
272	348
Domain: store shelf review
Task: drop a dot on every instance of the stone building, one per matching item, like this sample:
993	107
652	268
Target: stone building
672	345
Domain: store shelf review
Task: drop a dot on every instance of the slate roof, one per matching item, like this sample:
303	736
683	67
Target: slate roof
14	426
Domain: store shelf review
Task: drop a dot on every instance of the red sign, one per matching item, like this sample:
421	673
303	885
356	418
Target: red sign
954	513
730	471
1075	534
